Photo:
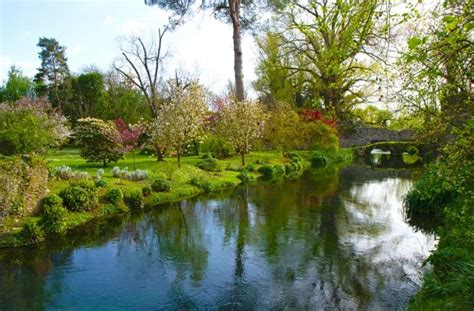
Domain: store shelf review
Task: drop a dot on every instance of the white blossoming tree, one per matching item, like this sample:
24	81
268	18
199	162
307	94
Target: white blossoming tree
181	118
242	123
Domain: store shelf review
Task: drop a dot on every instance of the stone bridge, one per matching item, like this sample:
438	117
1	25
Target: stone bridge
362	135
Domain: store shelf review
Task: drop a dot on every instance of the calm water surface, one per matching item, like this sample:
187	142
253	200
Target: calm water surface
329	240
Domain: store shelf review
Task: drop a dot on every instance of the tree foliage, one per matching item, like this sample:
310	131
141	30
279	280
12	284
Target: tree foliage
181	117
130	136
242	123
30	126
123	99
87	94
99	140
16	86
374	116
52	79
275	82
437	69
329	38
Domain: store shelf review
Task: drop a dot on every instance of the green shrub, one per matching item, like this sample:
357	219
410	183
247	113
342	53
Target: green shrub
28	127
266	170
50	201
293	156
342	156
233	167
110	209
217	146
293	168
53	214
79	196
17	206
244	177
114	196
100	183
278	170
251	168
428	198
412	150
209	164
135	199
202	184
146	191
31	232
161	185
207	156
85	184
318	160
318	136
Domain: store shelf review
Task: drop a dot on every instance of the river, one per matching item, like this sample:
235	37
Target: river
332	239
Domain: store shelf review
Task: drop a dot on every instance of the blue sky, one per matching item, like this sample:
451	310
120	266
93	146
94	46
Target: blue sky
90	31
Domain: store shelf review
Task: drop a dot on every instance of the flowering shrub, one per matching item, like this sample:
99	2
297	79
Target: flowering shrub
313	115
129	175
130	136
181	118
22	183
99	140
241	124
65	172
30	126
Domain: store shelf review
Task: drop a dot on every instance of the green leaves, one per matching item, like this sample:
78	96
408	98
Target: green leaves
414	42
448	19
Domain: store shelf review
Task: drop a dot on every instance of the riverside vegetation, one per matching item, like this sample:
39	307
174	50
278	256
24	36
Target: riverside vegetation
80	146
52	190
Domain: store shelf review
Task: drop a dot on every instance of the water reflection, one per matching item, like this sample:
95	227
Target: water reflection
331	239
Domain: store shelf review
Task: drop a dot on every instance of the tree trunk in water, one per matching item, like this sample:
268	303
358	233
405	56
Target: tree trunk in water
243	158
234	10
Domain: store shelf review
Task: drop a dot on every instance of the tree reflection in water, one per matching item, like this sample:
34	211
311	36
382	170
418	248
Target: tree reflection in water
330	239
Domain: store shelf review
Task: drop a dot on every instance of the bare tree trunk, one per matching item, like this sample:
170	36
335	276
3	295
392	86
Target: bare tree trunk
234	8
243	158
160	156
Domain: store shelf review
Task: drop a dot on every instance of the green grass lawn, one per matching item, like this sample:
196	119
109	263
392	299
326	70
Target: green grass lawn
178	176
180	179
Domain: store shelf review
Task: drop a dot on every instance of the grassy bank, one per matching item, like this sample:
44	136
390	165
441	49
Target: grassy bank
185	181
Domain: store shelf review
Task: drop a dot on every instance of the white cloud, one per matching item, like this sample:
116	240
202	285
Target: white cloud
152	19
134	28
74	50
108	20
